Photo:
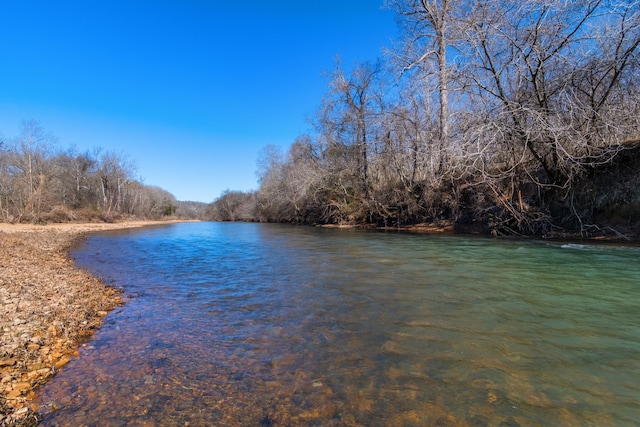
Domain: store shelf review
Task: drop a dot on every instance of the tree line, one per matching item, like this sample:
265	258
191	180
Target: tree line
41	183
517	117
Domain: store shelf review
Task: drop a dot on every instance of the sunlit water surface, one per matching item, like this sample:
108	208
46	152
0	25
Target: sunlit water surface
242	324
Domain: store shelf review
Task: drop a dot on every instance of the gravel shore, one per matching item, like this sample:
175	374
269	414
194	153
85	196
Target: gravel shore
47	308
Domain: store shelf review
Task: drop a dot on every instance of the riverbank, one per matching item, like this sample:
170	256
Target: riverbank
624	235
47	308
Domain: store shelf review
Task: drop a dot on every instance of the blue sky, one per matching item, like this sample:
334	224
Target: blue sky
190	90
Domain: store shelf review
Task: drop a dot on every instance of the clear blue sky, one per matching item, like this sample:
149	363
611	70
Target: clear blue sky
191	90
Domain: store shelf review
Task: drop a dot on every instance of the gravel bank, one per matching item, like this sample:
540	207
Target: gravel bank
47	308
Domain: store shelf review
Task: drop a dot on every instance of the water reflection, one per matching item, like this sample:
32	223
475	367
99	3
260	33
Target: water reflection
234	324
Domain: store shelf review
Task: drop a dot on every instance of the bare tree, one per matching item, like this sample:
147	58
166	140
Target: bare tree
434	31
114	175
30	170
76	172
506	110
39	183
233	206
349	125
544	94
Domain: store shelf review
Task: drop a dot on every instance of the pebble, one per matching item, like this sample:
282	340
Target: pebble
63	361
13	394
22	411
33	347
38	283
23	385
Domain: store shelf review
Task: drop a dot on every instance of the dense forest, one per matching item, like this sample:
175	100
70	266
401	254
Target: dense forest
511	117
40	183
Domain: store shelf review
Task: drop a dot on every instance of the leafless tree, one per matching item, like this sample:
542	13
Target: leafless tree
233	206
115	174
30	171
429	53
550	77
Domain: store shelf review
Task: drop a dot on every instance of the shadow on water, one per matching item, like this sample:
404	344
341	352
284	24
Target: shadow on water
268	325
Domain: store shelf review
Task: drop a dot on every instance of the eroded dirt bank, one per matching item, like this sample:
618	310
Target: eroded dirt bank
47	308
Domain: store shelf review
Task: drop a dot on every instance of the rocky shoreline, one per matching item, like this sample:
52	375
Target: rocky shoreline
47	308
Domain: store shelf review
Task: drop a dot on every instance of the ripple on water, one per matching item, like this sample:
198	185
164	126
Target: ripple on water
243	324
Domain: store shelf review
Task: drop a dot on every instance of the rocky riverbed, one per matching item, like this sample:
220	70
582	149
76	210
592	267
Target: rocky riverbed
47	308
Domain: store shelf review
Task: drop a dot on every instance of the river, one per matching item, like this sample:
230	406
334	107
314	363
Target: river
237	324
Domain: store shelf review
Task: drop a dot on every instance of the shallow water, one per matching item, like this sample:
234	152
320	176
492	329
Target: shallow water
237	324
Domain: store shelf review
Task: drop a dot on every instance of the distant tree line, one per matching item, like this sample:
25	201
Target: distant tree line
520	117
41	183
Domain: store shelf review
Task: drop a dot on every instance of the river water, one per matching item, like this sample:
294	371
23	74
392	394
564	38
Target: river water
237	324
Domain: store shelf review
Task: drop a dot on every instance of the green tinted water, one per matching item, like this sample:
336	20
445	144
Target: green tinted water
237	324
